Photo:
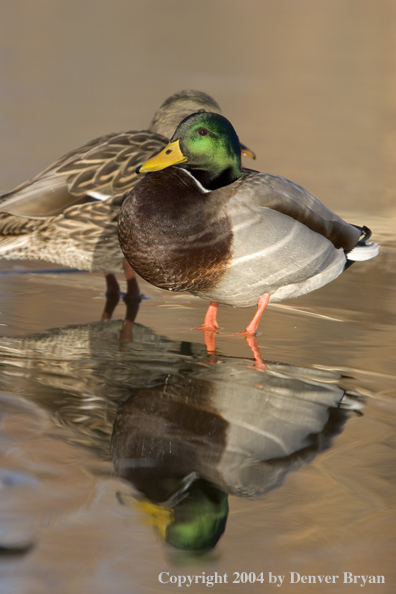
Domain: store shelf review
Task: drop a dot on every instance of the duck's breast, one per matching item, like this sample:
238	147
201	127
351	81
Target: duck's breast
172	235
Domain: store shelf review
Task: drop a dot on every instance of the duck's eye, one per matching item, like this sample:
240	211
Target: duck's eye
203	131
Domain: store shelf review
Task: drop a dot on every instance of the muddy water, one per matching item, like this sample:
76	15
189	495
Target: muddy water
103	444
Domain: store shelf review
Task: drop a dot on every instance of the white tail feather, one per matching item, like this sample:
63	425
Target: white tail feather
366	251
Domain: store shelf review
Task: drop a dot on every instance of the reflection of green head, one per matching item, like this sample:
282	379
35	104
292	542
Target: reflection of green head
195	523
199	519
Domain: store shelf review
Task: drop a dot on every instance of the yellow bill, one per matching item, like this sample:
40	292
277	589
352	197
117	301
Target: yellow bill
170	155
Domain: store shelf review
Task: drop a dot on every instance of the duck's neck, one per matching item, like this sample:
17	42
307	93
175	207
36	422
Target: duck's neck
211	181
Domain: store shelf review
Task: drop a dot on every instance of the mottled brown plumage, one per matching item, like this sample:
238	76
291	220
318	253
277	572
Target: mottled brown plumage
68	213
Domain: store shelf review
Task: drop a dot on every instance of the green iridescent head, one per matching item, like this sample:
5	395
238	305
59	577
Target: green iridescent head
207	145
209	142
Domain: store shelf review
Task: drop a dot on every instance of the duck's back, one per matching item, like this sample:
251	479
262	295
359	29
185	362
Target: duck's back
284	242
290	199
68	213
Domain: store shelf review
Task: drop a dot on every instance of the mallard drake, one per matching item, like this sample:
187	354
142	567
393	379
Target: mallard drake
68	213
232	236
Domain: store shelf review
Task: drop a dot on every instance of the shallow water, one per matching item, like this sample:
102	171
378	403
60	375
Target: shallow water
104	443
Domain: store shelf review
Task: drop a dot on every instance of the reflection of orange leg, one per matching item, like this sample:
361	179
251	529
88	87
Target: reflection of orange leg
251	329
259	363
210	343
210	322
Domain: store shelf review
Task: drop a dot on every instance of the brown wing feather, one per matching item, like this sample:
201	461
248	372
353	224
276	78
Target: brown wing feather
106	165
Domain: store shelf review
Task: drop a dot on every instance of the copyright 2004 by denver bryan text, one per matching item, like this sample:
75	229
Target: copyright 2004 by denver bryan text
293	577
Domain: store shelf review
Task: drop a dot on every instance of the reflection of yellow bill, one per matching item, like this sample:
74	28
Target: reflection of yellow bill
160	517
155	515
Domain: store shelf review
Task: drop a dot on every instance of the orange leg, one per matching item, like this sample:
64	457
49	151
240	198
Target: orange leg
133	292
210	322
132	300
112	296
209	329
251	329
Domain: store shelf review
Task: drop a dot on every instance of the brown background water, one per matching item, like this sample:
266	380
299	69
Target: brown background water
311	87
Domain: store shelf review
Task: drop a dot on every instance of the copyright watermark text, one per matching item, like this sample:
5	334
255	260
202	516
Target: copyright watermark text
293	577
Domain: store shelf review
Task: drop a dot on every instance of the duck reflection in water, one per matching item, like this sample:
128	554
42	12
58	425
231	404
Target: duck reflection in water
206	432
186	434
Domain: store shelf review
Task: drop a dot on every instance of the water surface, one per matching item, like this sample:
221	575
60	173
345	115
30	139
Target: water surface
104	444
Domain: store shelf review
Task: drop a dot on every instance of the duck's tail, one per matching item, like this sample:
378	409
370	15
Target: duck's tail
364	249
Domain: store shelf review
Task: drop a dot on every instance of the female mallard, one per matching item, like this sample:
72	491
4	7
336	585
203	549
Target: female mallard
230	236
68	214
